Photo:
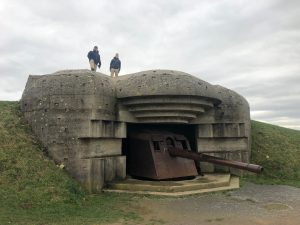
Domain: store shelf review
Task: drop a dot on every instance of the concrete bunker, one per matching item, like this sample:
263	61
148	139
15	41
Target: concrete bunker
84	118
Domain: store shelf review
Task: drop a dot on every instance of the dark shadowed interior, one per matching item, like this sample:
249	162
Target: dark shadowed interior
189	131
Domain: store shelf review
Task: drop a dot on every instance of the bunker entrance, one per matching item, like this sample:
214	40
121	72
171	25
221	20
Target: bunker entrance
164	152
146	149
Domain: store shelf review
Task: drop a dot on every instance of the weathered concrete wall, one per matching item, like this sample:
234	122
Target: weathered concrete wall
228	134
81	117
73	114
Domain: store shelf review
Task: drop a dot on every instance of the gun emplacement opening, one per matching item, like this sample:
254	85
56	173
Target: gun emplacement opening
161	155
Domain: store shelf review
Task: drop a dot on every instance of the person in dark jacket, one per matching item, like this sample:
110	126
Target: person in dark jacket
94	58
115	66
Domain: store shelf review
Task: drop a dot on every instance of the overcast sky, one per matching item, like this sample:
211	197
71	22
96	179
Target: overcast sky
252	47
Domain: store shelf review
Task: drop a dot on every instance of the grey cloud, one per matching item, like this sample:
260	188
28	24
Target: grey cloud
273	114
252	47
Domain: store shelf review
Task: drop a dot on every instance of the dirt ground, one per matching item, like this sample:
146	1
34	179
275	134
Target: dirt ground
251	204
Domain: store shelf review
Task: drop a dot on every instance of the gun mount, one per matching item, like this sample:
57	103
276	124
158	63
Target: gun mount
162	155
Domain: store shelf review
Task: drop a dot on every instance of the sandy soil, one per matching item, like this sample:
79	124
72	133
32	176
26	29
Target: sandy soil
252	204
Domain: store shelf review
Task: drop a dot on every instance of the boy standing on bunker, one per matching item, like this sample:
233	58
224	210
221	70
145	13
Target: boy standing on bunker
94	58
115	66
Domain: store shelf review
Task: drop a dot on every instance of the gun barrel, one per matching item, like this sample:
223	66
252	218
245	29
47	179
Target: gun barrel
213	159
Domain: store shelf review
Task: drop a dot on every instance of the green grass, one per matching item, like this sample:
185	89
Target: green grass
33	190
277	149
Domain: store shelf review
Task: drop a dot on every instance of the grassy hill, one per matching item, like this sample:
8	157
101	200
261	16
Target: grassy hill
33	190
277	149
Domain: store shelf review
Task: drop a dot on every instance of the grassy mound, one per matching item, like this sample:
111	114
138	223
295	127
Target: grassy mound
33	190
277	149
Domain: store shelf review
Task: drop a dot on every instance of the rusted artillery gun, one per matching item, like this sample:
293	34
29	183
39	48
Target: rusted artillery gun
161	155
215	160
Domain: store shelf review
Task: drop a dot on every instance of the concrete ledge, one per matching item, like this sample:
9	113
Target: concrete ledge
206	184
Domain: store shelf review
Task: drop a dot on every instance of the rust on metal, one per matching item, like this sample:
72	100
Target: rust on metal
161	155
149	157
177	152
